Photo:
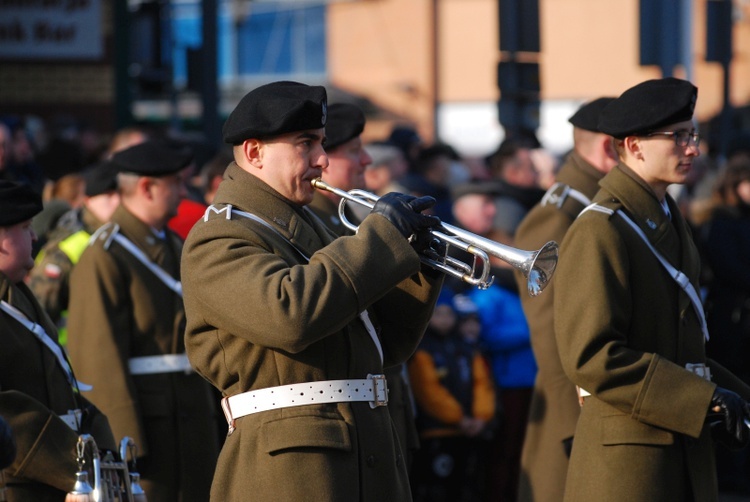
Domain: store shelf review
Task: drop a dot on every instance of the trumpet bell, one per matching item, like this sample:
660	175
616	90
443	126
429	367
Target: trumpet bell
541	268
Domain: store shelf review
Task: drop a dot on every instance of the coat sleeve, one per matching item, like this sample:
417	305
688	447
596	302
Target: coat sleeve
45	445
99	331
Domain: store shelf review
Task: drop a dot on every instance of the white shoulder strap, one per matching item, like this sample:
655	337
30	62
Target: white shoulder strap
680	278
43	337
159	272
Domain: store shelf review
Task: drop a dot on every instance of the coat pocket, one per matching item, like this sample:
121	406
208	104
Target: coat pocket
621	429
305	432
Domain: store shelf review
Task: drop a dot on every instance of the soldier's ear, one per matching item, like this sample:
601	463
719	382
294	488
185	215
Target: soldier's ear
252	151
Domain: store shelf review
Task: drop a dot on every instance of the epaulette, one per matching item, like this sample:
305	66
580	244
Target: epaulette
105	233
566	199
214	211
608	207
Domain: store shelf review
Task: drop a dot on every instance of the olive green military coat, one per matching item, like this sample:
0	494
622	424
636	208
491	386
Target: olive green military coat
259	316
34	391
119	309
400	398
625	331
554	405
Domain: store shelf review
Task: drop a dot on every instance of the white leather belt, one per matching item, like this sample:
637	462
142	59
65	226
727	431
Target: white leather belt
373	389
167	363
72	419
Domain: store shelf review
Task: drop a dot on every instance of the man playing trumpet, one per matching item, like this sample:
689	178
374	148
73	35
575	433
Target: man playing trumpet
295	326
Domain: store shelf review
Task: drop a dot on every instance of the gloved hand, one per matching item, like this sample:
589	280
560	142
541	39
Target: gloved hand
405	212
731	430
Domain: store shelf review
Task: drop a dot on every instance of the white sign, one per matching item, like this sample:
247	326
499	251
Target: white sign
50	29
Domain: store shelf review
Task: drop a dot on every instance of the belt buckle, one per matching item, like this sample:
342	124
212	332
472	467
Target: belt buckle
379	391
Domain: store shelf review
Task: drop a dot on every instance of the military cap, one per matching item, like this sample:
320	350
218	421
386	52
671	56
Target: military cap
345	122
587	116
154	157
476	187
648	106
275	109
100	178
18	203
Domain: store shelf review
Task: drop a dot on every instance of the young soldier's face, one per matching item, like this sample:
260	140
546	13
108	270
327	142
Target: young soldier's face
15	250
665	162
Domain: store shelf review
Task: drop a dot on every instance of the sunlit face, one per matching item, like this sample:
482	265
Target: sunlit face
475	212
15	250
288	163
346	165
664	162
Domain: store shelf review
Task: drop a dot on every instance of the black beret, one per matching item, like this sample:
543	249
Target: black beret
587	116
648	106
275	109
100	178
17	203
154	157
345	121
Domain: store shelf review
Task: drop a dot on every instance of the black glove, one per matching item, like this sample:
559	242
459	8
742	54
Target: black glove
405	212
732	410
7	445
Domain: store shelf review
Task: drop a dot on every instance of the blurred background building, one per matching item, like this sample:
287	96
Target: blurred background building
465	72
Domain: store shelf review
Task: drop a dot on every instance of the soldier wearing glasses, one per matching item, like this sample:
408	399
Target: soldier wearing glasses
629	325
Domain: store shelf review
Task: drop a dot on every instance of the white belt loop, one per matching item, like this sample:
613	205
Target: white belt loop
72	419
373	389
167	363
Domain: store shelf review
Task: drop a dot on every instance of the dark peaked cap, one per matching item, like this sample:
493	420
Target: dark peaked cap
155	157
587	116
345	122
648	106
17	203
275	109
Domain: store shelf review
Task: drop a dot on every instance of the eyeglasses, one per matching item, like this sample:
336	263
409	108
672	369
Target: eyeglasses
681	138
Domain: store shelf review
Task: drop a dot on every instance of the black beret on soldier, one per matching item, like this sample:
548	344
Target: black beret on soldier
345	122
587	116
275	109
155	157
17	203
648	106
100	178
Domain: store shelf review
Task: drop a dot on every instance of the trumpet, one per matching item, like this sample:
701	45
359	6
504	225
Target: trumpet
536	266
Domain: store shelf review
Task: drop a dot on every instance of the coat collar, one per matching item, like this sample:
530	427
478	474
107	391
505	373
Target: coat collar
143	236
576	172
671	237
297	224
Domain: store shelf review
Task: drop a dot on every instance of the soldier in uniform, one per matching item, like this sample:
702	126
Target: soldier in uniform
295	325
347	162
39	395
49	280
629	324
127	325
554	408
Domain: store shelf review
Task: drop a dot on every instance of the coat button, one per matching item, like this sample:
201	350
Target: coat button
371	461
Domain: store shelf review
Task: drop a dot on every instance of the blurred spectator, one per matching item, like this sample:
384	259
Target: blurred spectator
455	401
212	173
516	182
21	163
125	138
430	175
49	280
406	139
4	150
506	342
386	170
727	251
